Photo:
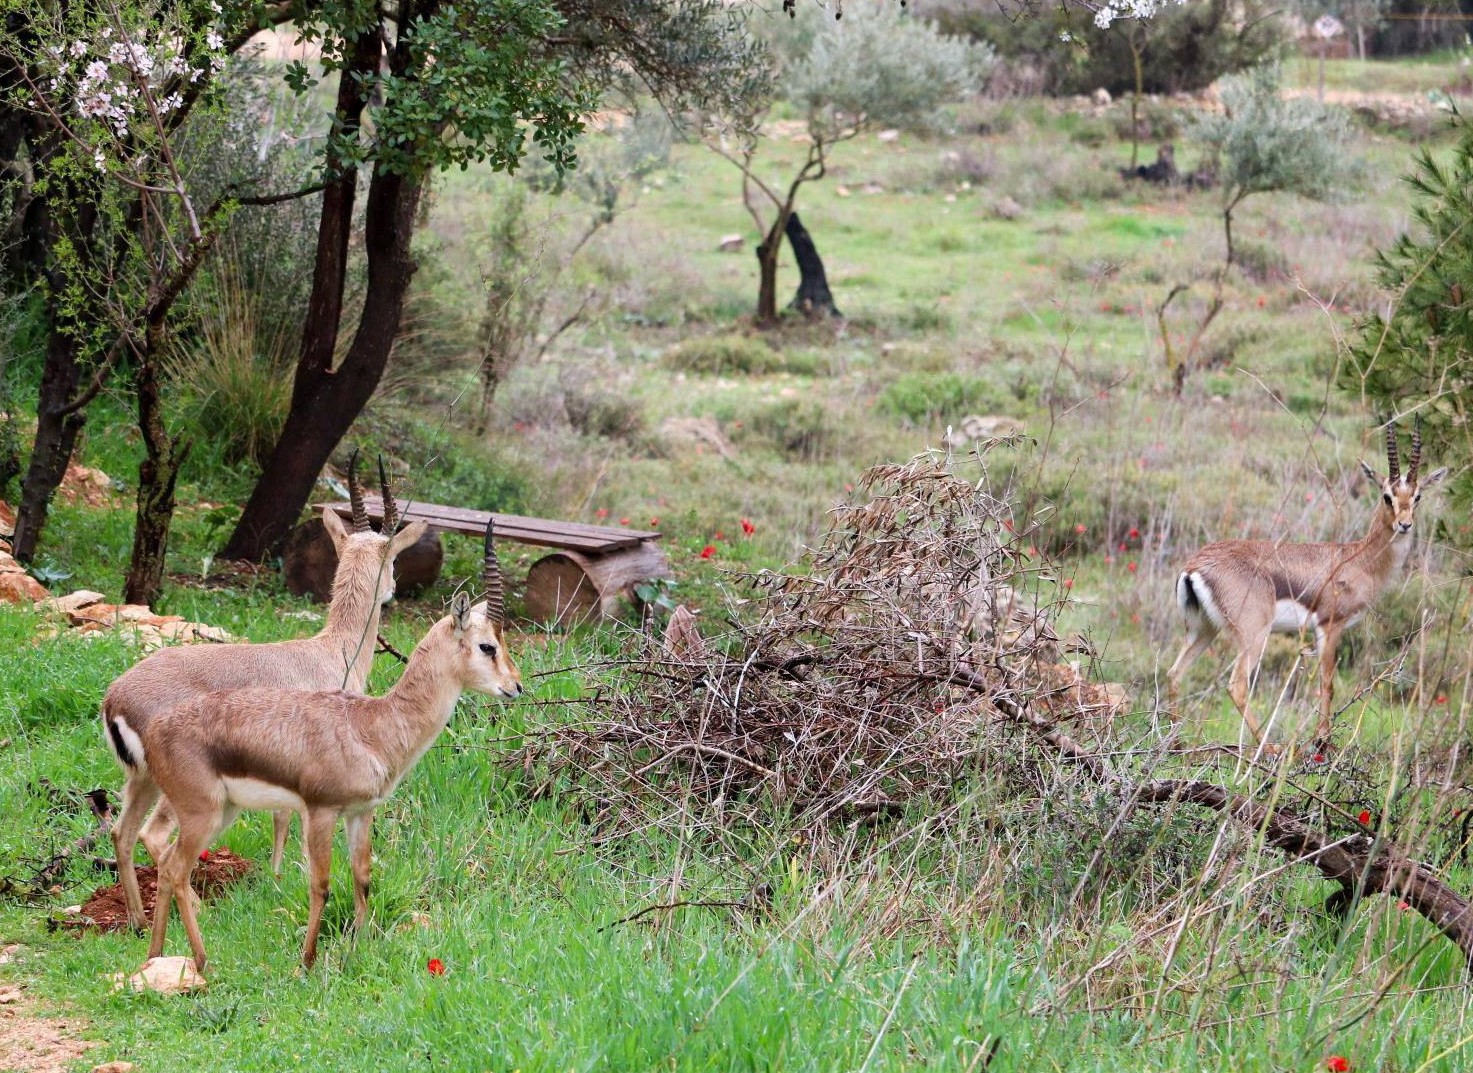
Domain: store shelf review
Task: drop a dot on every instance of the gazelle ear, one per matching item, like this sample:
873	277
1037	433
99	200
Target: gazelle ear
460	610
335	529
1433	478
1371	474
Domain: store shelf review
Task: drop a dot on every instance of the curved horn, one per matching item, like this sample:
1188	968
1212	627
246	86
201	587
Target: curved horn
391	508
1391	461
1416	451
491	582
355	496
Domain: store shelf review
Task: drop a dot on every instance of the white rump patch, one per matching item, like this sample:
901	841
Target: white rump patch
1203	591
131	741
244	792
1290	616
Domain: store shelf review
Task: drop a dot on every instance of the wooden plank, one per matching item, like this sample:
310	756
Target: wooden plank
543	532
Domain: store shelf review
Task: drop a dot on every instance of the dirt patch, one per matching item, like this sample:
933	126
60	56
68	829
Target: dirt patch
33	1043
107	910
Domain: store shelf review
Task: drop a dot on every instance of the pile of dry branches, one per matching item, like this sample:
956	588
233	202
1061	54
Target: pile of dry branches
852	689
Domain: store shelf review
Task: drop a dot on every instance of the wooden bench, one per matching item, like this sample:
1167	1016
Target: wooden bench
594	567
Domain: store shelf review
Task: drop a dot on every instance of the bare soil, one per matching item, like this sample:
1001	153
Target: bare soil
107	910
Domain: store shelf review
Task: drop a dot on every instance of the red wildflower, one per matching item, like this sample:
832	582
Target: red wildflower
1365	817
1068	583
435	966
654	522
602	512
1337	1063
718	535
1403	906
1318	758
204	854
748	527
1080	528
1441	698
1135	534
708	551
1131	566
623	521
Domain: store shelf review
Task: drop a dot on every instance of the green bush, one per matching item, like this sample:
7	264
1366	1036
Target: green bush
924	397
723	355
797	428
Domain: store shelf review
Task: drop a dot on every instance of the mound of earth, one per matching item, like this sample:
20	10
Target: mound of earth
107	910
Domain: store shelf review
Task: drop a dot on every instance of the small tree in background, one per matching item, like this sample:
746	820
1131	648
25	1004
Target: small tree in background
1418	357
1263	142
875	67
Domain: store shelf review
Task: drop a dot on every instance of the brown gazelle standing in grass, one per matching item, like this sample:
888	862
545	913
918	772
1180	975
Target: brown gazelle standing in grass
324	755
1247	589
339	657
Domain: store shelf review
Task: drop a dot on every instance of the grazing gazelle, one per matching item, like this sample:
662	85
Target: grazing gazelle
339	657
1248	589
324	755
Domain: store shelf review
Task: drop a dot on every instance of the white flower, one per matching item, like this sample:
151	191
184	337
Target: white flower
78	49
99	160
214	41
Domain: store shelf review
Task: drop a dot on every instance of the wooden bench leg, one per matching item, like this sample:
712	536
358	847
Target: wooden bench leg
569	587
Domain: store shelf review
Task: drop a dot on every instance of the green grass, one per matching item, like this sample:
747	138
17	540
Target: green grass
918	949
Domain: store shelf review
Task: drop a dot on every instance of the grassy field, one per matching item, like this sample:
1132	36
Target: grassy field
1006	270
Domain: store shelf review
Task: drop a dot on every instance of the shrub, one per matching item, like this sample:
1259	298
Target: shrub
800	429
924	397
718	355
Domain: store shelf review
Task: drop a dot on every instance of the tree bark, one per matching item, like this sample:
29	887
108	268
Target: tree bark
813	298
768	252
325	402
158	474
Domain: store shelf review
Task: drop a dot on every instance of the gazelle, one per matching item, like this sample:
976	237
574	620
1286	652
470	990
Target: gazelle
339	657
1251	588
324	755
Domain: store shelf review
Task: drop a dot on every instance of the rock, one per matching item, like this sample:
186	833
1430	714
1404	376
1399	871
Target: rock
1005	208
841	190
82	484
166	975
73	601
113	1067
887	135
7	519
16	586
991	427
731	243
1102	98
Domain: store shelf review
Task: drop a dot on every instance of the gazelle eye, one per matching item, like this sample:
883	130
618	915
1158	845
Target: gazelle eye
489	649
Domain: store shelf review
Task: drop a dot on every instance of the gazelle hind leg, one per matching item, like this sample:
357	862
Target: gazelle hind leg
281	823
317	828
1245	669
1329	640
140	793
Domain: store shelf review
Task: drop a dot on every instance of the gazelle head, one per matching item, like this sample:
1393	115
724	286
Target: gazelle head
363	553
483	662
1400	492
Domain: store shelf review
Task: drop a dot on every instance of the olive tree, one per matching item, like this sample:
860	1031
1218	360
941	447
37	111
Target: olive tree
877	66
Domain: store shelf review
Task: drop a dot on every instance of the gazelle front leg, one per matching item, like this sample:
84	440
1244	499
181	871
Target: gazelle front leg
360	849
1329	641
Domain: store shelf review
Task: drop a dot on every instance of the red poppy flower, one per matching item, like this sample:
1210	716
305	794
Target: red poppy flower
435	966
718	535
1403	906
602	512
1318	758
1131	566
1337	1063
623	521
1365	816
1081	528
748	527
1068	583
708	551
1441	698
654	523
204	854
1135	534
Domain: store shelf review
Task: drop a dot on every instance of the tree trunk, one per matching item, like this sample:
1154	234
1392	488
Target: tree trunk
768	252
56	436
813	298
325	402
158	475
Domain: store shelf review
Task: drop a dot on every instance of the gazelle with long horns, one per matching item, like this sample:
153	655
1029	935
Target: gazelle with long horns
339	657
324	755
1248	589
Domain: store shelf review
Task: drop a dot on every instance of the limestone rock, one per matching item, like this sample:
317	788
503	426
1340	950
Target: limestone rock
731	243
166	975
16	586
